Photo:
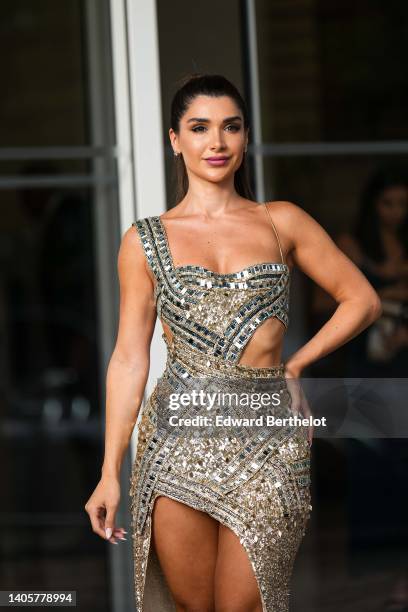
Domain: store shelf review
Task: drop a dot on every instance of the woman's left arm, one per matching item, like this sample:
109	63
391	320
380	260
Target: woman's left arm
317	255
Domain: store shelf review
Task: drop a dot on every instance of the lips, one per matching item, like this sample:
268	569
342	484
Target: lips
217	161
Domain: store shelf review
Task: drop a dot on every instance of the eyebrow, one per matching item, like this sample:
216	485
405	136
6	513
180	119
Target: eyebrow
204	120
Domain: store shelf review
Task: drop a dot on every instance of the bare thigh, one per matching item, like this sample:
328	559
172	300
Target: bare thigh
235	586
186	542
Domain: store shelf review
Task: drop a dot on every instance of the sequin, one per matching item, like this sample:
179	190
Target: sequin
260	488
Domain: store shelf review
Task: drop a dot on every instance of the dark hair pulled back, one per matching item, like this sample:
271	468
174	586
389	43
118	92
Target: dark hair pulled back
214	85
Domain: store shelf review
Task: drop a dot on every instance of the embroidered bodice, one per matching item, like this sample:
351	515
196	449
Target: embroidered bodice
213	313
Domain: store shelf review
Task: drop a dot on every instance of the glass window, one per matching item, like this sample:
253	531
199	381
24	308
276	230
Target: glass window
332	71
57	183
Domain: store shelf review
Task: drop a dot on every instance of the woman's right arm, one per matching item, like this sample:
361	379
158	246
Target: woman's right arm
126	378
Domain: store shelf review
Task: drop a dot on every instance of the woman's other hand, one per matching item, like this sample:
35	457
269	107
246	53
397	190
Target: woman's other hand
101	508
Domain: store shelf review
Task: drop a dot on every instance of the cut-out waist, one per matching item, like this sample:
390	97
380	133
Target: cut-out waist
197	363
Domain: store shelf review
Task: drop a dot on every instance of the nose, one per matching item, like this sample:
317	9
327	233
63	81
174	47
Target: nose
217	139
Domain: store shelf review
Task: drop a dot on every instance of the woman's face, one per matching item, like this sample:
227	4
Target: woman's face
392	205
211	127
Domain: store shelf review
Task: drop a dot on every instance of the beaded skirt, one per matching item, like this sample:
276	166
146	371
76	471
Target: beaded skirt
256	484
258	487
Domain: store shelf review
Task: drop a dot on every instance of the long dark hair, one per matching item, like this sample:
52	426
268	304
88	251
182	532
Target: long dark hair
367	227
214	85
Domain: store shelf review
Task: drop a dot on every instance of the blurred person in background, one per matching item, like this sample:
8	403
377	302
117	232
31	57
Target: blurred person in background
379	246
377	468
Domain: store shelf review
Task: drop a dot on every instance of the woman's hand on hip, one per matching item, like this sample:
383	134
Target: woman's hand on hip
299	404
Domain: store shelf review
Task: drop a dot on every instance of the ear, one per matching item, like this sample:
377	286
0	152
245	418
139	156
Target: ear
173	139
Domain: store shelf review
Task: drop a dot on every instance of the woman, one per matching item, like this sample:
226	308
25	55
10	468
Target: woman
379	247
217	522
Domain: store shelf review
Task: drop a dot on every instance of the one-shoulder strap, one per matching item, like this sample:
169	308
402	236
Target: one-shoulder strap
276	233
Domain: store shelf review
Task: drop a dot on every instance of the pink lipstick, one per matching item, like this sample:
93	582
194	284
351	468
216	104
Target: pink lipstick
217	160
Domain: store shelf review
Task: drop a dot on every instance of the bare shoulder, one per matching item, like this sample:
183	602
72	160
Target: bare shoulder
310	246
294	221
131	258
287	212
290	220
131	249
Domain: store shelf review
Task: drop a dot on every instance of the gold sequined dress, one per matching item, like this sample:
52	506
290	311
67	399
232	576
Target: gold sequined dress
258	487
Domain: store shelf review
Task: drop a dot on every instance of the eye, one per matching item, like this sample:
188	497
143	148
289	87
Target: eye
234	126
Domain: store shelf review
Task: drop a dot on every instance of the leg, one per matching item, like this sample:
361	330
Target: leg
186	542
235	587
